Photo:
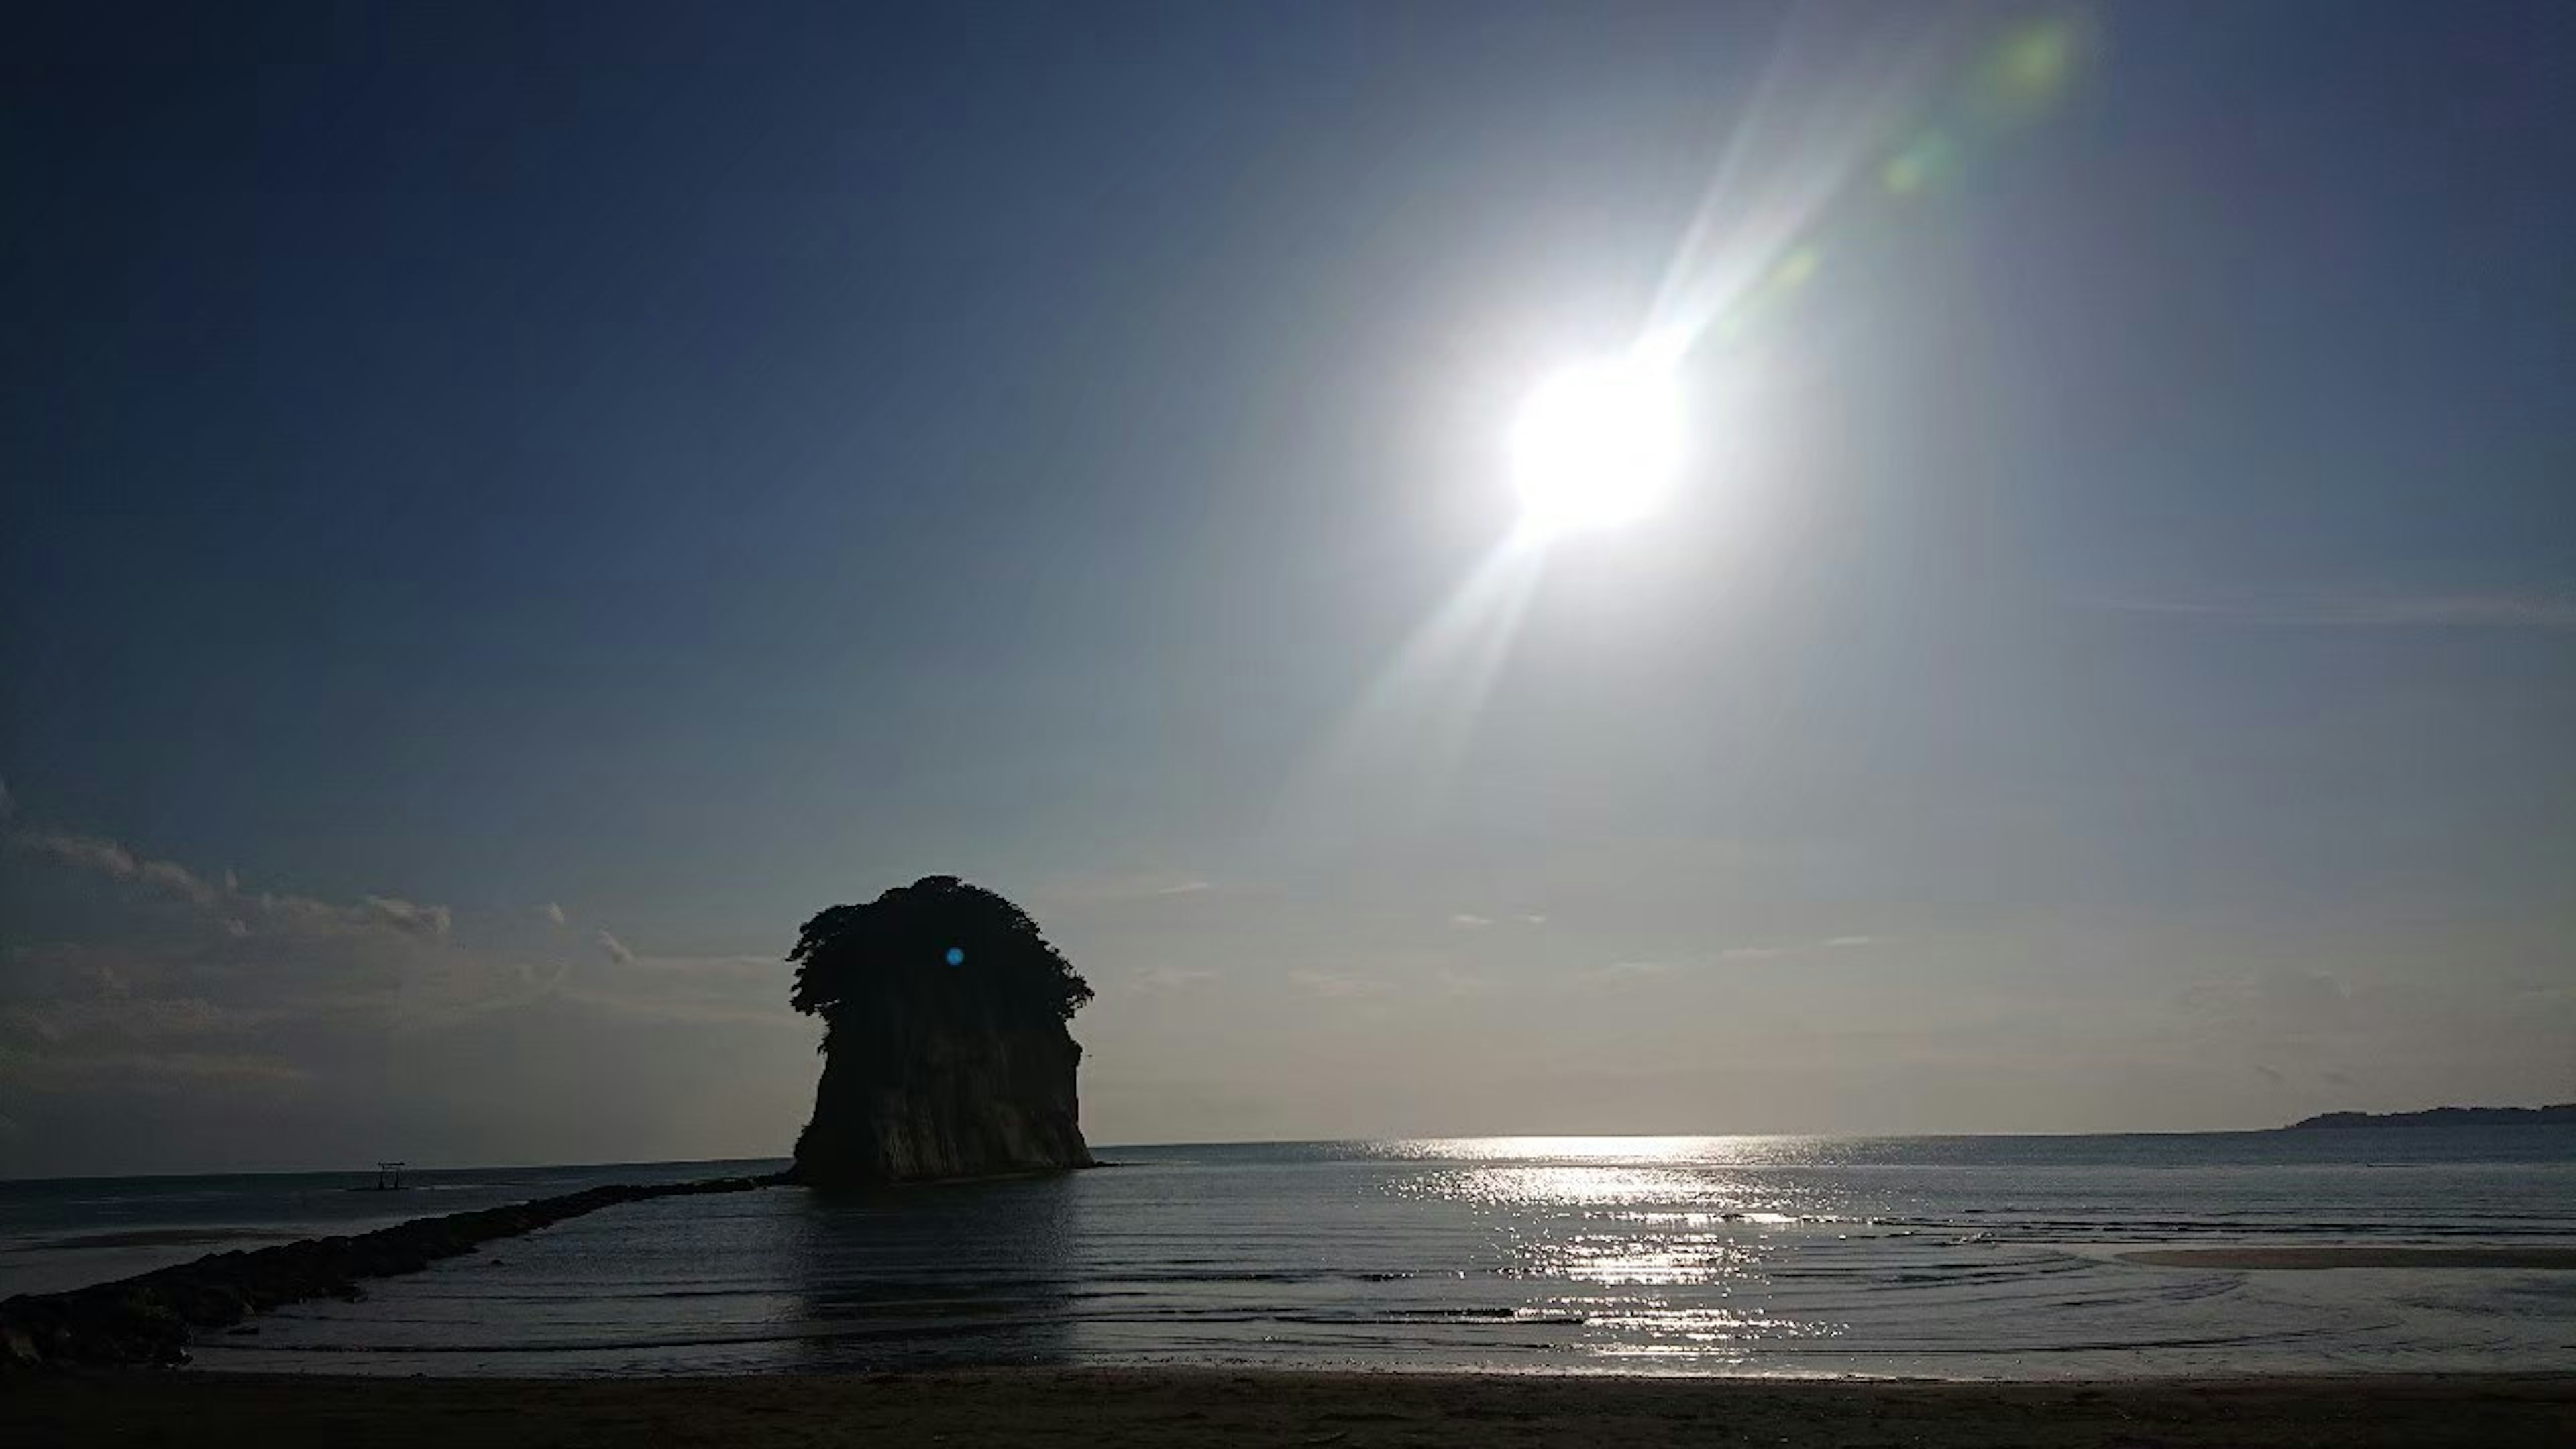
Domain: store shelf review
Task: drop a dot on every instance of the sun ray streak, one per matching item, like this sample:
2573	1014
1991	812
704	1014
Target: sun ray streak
1827	103
1392	761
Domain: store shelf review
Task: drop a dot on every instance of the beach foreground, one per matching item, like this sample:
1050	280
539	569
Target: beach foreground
988	1408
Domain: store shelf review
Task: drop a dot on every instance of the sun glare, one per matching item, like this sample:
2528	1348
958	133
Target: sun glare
1597	445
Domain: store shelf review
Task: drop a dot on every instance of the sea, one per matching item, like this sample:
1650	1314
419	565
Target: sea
1947	1257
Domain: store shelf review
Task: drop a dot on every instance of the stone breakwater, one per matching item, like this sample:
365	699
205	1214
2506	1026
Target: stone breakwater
147	1319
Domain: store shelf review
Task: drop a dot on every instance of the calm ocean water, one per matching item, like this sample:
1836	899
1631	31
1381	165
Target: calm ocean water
1958	1257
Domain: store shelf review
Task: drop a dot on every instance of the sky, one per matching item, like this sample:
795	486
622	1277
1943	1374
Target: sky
505	512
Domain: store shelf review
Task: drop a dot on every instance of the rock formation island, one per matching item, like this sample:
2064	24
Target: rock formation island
945	1052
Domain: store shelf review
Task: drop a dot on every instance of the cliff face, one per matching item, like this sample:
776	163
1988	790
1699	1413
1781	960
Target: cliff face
905	1100
944	1048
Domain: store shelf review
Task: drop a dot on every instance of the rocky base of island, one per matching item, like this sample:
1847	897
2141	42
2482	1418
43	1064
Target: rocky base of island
147	1319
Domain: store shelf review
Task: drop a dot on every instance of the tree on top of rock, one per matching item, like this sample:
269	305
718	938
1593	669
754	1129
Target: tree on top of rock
939	946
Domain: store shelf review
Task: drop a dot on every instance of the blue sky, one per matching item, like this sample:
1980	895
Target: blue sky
2109	668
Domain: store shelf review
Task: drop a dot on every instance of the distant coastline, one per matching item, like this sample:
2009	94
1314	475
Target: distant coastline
2556	1114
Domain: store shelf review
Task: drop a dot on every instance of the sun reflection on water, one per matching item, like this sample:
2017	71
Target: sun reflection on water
1682	1241
1704	1151
1701	1259
1563	1186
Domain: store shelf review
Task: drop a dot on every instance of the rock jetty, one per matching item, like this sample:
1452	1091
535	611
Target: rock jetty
147	1319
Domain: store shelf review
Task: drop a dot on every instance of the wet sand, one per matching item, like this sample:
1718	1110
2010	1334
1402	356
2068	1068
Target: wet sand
996	1409
2295	1259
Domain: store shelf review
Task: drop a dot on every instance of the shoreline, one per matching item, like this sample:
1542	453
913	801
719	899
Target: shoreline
1262	1408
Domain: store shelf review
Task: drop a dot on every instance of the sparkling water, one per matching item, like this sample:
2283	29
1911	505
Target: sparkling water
1955	1257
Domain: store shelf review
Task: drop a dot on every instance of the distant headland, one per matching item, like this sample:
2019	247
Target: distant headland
2556	1114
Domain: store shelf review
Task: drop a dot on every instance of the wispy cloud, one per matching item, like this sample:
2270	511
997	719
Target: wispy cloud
1619	972
98	855
117	1013
1469	921
1774	953
1340	984
2306	996
131	1070
2360	609
81	852
269	960
685	988
175	879
141	981
1169	978
395	913
1110	890
108	858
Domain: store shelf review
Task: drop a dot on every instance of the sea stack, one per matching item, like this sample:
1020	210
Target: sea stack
945	1053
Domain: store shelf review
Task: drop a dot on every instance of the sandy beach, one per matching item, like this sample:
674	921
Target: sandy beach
992	1408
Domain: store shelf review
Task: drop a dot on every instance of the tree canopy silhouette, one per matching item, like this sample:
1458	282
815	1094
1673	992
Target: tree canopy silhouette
938	947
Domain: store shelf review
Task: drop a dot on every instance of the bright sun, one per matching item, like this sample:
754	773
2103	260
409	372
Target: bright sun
1597	445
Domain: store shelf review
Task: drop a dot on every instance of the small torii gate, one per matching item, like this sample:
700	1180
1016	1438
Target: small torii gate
388	1176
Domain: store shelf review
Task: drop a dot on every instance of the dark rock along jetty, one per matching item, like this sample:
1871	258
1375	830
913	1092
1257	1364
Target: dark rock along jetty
146	1319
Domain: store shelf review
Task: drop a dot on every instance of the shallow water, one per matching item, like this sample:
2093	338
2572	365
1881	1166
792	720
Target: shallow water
1965	1257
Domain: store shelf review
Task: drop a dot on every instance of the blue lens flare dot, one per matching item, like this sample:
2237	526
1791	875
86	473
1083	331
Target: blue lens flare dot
956	955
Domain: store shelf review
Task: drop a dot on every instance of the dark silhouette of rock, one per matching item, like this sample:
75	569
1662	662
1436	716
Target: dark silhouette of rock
944	1043
2556	1114
147	1319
